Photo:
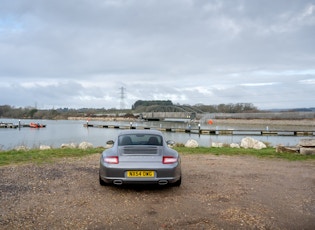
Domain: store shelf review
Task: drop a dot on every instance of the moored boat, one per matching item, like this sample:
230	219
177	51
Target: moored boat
37	125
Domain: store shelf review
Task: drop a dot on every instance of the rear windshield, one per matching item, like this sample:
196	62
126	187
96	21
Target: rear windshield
140	139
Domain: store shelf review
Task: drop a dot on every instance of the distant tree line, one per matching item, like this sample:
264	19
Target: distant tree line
168	106
140	106
140	103
7	111
229	108
29	113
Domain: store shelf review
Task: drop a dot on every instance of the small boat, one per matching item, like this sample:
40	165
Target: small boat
37	125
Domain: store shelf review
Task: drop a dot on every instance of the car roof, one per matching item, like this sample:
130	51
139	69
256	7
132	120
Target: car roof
143	131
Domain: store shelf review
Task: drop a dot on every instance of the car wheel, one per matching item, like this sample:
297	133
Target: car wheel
103	183
178	183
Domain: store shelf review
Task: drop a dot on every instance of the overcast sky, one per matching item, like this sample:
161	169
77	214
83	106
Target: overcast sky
80	53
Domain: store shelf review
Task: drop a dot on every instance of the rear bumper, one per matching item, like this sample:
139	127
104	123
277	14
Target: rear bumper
166	175
120	181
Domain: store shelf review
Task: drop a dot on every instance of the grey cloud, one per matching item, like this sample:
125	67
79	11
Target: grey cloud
157	49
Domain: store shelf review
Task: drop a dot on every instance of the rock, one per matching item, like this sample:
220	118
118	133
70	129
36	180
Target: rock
307	151
85	145
307	143
286	149
44	147
217	145
234	145
71	146
21	148
251	143
191	144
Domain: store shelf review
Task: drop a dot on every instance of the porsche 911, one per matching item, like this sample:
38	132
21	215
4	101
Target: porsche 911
140	157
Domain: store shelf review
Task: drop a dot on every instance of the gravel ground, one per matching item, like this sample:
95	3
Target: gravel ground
217	192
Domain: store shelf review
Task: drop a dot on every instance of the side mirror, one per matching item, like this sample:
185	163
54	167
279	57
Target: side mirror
109	144
170	143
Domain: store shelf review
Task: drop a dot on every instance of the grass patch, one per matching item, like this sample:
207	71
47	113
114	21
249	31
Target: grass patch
267	152
42	156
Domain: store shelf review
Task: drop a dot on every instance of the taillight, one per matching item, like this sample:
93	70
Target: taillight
169	160
111	160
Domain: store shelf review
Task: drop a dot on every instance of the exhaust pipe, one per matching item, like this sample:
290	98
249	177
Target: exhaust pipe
163	182
117	182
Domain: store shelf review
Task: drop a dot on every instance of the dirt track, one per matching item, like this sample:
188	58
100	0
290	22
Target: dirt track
218	192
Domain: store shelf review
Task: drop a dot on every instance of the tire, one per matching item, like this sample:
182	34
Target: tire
102	183
177	183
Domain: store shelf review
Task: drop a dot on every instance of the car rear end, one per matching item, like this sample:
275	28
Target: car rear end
141	164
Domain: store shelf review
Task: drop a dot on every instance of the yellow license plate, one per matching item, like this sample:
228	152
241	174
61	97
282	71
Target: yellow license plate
140	173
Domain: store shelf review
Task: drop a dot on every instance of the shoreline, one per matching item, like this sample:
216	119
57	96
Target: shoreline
263	121
302	122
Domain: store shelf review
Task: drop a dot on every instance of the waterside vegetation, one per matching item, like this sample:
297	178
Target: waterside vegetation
51	155
221	111
138	107
43	156
268	152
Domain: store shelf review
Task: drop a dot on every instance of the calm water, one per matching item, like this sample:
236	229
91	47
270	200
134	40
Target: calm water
66	131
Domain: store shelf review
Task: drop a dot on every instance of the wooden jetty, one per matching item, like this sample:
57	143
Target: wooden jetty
8	125
20	125
211	131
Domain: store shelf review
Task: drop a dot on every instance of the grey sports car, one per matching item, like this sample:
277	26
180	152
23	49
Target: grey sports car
140	157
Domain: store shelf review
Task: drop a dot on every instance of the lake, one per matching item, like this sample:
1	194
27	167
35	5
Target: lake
59	132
